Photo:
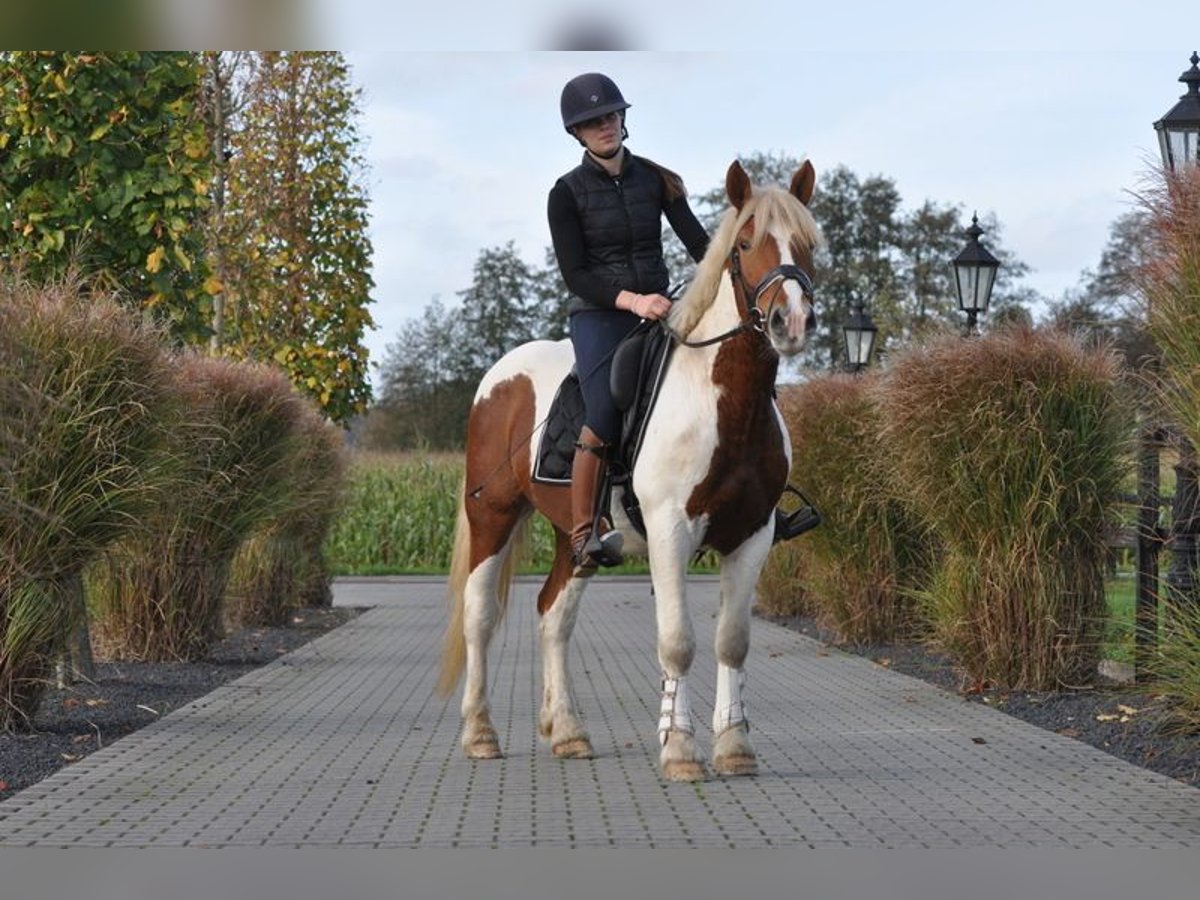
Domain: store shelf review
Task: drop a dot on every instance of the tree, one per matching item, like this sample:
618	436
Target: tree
104	164
499	310
297	257
424	397
1104	305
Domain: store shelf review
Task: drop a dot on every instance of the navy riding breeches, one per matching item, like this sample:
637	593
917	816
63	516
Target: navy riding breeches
595	334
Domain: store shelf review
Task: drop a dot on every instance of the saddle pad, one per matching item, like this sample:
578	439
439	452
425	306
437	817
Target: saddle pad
556	449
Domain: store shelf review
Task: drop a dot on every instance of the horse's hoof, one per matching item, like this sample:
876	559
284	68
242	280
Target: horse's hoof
573	748
486	746
736	764
684	770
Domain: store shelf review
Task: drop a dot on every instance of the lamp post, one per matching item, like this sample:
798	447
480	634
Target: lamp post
1179	144
974	276
859	336
1179	130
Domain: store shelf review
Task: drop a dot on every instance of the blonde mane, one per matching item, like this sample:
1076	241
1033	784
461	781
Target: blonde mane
772	207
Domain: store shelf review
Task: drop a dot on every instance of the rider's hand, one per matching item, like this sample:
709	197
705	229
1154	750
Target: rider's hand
646	306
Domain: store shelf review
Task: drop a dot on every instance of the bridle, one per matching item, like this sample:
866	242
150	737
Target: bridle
755	319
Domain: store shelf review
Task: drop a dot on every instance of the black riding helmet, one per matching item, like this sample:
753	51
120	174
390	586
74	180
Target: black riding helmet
588	96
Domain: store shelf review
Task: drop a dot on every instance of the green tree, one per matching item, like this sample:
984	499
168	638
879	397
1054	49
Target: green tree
424	395
499	310
297	257
1105	305
104	164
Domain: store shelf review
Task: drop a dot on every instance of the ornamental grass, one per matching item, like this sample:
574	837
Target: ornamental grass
283	566
159	595
854	572
1011	449
85	403
1169	282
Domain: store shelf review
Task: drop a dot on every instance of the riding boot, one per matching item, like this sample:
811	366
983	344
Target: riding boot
593	540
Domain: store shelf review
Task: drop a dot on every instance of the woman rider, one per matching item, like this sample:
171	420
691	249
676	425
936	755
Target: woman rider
606	226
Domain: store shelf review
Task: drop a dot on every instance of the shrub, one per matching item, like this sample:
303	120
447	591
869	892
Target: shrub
1010	449
159	594
84	407
855	570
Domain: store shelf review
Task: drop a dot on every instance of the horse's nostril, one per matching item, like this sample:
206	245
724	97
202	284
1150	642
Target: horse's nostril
778	320
810	321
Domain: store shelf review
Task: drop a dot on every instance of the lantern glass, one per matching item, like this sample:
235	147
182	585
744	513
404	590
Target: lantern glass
975	281
859	344
1179	147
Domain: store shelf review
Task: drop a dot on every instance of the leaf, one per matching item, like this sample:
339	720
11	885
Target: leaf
71	757
95	701
1128	710
1106	717
100	131
213	285
155	260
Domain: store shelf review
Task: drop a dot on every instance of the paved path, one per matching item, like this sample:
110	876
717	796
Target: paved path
342	742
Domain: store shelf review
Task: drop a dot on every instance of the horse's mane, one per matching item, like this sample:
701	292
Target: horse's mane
771	206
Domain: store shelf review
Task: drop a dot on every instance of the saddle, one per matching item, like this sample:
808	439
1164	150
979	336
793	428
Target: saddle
639	365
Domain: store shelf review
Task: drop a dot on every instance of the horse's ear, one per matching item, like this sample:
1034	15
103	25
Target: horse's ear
737	184
803	182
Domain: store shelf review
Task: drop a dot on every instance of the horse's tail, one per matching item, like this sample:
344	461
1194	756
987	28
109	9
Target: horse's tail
454	644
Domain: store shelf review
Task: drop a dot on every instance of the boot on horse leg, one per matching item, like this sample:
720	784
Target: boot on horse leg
593	540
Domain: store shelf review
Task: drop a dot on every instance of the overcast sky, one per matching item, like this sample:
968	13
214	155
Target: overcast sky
1049	127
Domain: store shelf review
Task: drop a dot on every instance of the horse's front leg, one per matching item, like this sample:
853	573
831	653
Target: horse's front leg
669	550
733	754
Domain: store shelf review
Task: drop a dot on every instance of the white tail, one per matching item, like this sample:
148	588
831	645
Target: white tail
454	644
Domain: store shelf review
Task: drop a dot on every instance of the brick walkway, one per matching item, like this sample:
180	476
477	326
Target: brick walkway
343	743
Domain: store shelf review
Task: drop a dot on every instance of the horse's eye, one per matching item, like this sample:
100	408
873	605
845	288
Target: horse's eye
743	244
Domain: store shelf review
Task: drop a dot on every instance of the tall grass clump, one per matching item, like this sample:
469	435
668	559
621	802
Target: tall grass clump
283	566
84	406
1010	447
158	596
857	569
1169	281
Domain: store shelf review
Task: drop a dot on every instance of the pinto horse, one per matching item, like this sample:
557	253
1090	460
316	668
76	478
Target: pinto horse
713	465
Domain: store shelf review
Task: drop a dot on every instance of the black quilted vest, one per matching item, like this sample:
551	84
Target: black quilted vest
622	224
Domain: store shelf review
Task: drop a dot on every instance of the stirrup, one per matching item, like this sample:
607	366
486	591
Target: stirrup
604	550
795	523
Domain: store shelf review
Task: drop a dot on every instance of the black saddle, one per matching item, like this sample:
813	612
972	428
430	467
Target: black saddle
638	367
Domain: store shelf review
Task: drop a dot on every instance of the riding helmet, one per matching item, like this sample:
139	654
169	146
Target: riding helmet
588	96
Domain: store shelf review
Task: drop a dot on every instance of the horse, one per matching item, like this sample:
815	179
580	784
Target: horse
713	465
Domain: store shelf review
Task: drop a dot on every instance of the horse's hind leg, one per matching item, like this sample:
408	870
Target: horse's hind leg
558	604
481	612
733	753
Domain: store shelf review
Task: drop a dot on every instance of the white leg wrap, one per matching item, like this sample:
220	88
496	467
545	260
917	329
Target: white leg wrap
674	714
730	708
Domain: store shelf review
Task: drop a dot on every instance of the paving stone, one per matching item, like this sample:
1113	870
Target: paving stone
343	742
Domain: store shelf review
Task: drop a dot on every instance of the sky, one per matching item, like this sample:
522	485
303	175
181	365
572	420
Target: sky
1045	120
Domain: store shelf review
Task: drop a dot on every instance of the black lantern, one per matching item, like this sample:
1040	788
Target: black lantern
974	275
859	335
1179	130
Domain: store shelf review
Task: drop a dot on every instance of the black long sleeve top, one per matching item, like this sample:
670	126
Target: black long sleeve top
607	232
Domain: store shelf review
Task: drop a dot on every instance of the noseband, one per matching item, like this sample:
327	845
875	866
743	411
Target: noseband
779	273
